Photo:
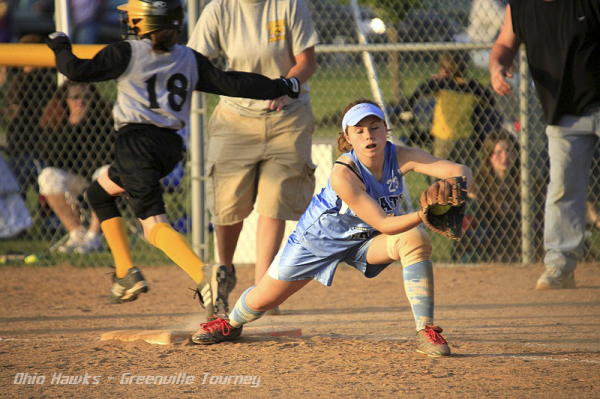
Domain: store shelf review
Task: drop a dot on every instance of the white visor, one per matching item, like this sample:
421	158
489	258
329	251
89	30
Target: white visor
359	112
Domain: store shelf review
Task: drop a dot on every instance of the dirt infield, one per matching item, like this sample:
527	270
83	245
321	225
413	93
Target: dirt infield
507	339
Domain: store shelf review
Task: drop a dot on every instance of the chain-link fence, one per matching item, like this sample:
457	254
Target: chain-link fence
56	138
428	60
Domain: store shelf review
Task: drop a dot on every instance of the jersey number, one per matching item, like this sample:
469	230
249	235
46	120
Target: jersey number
176	86
393	184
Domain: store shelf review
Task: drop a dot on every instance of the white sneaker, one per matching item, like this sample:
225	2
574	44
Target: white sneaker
74	240
555	280
90	243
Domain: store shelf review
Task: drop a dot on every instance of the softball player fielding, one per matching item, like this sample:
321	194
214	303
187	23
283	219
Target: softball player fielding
155	78
355	219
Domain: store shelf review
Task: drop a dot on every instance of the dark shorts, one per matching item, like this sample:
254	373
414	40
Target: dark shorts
144	154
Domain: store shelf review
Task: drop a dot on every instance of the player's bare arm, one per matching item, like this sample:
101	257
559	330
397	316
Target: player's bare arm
417	160
352	191
503	55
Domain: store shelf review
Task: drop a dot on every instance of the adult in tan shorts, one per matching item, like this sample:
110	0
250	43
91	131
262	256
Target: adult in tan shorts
259	151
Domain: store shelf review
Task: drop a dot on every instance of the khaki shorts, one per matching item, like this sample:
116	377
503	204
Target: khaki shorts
262	159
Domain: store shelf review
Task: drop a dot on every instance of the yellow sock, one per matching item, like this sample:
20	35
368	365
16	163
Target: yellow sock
165	238
116	237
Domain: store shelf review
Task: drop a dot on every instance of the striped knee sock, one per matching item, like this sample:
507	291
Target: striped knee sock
241	313
418	285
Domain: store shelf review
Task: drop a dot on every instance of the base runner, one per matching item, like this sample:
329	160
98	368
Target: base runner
155	78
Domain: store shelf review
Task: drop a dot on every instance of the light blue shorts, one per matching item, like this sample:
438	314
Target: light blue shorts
294	262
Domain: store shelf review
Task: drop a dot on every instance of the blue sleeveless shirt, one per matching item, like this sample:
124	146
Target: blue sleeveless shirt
329	226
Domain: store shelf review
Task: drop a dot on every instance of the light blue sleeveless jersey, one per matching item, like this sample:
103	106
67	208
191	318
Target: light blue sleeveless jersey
329	232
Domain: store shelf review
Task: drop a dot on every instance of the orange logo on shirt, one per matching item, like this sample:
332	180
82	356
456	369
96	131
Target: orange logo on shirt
276	30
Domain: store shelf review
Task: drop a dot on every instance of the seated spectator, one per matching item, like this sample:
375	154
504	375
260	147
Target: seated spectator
494	235
463	112
28	93
77	142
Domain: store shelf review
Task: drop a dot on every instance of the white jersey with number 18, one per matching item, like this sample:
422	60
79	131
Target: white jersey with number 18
156	88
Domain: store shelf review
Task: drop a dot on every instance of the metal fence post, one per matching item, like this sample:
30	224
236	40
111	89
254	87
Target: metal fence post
196	157
526	149
62	24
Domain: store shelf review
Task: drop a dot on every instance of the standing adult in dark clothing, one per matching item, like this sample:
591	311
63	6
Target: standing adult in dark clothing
563	51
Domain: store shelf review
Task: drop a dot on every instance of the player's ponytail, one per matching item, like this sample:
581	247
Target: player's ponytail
164	40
